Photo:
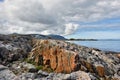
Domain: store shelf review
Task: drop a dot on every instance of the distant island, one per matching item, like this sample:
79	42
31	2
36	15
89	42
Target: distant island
73	39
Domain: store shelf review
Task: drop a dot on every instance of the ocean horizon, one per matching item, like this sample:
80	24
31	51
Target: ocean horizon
102	44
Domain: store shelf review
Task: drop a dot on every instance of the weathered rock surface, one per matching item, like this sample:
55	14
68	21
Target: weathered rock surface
78	75
27	76
65	58
49	55
13	48
6	74
19	67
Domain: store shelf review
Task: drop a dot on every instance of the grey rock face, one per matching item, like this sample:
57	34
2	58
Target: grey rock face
31	68
43	73
78	75
14	49
27	76
3	53
6	74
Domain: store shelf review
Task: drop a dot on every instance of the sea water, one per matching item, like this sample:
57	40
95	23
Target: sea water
105	45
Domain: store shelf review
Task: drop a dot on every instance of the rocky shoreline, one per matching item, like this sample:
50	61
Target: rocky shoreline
23	57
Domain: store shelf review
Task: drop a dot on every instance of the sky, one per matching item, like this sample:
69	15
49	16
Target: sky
97	19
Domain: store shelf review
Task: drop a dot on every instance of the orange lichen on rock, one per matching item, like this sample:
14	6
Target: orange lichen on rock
55	57
87	65
100	70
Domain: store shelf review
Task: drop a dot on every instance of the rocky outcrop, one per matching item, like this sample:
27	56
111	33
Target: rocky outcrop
64	57
47	54
14	48
6	74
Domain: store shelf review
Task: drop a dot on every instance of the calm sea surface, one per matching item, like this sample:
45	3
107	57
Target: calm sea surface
105	45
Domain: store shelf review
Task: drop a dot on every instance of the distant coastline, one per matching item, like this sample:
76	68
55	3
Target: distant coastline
72	39
102	44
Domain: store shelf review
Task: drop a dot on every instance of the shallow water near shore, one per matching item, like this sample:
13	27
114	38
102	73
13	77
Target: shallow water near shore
105	45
